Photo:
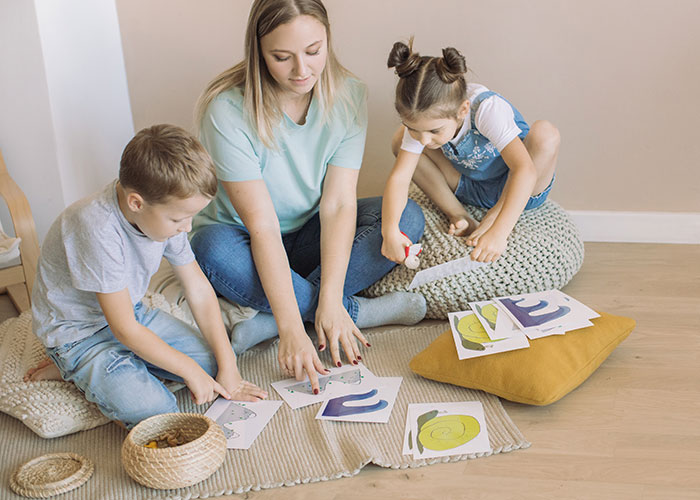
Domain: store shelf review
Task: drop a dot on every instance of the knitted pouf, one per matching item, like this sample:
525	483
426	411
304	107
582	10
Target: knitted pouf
544	252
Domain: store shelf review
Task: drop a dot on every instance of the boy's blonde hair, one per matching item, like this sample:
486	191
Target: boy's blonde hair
251	75
428	84
166	161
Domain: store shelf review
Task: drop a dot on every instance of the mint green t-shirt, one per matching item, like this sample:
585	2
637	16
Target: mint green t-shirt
295	170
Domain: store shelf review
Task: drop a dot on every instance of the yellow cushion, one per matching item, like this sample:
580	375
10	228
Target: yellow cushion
538	375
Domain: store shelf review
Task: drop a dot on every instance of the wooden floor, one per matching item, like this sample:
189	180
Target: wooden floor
631	431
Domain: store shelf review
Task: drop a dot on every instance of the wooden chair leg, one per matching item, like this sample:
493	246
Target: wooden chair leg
19	296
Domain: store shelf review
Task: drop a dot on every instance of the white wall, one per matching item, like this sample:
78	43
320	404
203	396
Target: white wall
26	127
66	111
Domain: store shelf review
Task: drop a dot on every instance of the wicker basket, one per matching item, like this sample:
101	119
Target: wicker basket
52	474
179	466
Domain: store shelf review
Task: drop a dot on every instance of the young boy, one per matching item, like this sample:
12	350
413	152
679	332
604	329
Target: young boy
95	265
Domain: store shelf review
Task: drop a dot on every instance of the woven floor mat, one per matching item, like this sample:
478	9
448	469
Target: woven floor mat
294	448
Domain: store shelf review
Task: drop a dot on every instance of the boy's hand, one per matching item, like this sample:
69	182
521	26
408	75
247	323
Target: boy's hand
203	387
488	246
239	389
394	246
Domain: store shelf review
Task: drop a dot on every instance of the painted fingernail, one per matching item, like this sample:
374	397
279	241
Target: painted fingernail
368	344
321	347
360	358
339	364
315	391
354	361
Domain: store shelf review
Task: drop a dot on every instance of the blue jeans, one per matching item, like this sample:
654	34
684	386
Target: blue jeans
124	386
223	253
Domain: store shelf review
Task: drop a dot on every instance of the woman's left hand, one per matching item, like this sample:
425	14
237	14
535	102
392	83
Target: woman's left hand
334	326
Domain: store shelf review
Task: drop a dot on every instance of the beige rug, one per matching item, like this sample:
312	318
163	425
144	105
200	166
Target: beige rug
294	448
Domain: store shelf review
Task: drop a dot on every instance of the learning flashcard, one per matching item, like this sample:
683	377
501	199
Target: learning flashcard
487	312
372	404
472	340
546	313
242	421
445	429
340	381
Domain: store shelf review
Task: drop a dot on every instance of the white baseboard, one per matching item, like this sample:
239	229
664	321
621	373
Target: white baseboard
638	227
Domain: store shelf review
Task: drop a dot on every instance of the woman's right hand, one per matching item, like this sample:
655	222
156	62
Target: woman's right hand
297	355
394	246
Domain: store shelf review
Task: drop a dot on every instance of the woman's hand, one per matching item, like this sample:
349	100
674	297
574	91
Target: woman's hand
336	328
394	245
297	355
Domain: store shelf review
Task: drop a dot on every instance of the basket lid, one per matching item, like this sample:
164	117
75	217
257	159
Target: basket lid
51	474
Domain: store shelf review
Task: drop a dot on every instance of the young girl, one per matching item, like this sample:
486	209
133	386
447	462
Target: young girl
462	143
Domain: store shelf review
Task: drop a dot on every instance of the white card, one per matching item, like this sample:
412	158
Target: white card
544	310
487	312
445	429
351	378
472	340
373	404
462	265
242	421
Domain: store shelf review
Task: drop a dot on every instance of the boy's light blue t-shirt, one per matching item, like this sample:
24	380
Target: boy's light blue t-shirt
90	248
295	170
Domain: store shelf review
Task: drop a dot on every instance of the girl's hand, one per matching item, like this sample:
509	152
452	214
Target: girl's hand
239	389
488	246
203	388
335	326
394	247
297	355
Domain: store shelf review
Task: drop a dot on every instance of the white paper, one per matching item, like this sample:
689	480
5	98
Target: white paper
461	265
373	404
447	429
242	421
487	311
407	436
341	381
472	341
546	313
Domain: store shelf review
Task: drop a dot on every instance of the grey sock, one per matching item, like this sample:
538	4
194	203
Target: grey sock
252	331
397	308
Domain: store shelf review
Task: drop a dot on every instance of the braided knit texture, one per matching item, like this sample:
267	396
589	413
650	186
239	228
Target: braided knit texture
544	252
51	408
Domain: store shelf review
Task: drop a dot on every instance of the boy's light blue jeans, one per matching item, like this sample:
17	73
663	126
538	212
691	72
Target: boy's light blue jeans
124	386
223	253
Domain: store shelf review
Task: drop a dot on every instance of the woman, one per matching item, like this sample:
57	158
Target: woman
285	234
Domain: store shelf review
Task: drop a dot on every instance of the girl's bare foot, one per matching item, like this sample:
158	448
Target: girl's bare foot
462	225
45	370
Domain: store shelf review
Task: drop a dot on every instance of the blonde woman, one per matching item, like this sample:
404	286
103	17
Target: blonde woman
285	234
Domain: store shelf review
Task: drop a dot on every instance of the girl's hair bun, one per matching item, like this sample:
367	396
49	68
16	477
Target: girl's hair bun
403	59
451	66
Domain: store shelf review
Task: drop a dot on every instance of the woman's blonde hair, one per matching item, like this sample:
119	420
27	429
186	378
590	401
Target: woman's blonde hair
251	75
